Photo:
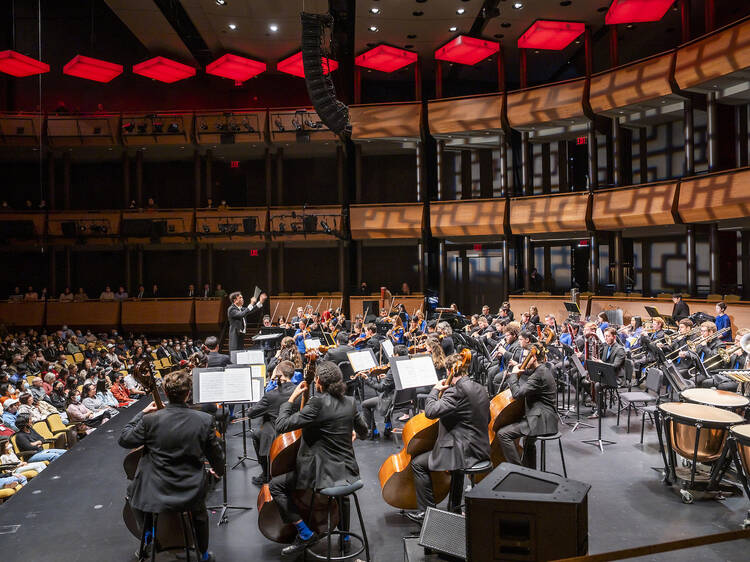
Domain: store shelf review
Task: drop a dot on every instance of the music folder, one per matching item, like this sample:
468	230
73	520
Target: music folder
413	372
247	357
362	360
235	384
256	292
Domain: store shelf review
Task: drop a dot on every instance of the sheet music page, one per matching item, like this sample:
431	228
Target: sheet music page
388	348
417	371
250	357
361	360
258	386
312	343
212	386
238	385
256	292
258	372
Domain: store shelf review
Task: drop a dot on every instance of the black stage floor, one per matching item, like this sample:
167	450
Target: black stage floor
72	511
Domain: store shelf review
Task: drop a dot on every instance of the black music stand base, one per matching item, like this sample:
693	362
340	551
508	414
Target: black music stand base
599	442
244	456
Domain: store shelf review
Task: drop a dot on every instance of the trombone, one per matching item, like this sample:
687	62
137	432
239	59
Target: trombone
724	354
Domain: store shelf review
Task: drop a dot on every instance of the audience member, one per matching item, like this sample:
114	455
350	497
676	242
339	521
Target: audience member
107	294
29	440
31	294
81	295
66	295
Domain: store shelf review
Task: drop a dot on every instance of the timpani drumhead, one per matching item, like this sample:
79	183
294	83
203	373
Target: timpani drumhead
713	397
742	432
700	412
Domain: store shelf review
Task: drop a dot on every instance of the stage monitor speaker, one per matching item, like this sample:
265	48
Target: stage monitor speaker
250	225
310	224
516	513
333	113
137	228
444	532
19	229
68	228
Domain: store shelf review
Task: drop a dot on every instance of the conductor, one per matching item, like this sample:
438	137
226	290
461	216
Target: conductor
237	314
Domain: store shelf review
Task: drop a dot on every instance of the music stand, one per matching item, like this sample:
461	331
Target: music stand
604	374
653	313
574	311
413	372
581	375
216	385
257	371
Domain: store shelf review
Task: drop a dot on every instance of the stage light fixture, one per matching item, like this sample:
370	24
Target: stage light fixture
282	227
373	28
239	69
206	229
295	228
385	58
164	69
296	124
550	35
92	69
248	127
374	10
19	65
518	5
466	50
157	127
293	65
203	126
221	2
142	128
279	125
173	127
128	127
234	126
221	126
325	227
628	11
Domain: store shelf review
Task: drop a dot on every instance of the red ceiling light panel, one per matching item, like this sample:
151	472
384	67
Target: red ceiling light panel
92	69
164	70
236	68
629	11
19	65
293	65
466	50
550	35
385	58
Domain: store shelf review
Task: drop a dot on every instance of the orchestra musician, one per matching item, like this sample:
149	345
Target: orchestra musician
300	315
680	309
287	352
326	456
614	354
738	359
509	354
267	408
685	362
534	315
444	329
385	387
538	391
707	349
171	474
302	334
462	442
216	359
722	321
237	315
396	333
338	354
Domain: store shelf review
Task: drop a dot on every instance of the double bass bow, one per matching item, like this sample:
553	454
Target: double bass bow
419	435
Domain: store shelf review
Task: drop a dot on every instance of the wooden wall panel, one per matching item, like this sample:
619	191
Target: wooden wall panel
283	305
180	223
369	222
715	197
386	121
162	315
210	314
412	303
289	216
462	115
211	219
94	314
88	219
208	126
545	304
721	53
647	205
634	83
150	137
36	217
467	218
543	104
23	314
548	213
85	130
282	125
20	129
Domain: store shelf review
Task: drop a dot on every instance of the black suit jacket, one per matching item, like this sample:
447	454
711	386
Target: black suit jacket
538	391
616	359
171	474
326	456
448	346
216	359
267	408
386	389
338	354
464	413
238	322
680	311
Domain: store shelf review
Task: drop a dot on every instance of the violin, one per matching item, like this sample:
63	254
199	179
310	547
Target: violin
376	370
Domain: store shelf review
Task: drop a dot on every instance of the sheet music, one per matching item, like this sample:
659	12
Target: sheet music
388	348
250	357
232	385
256	292
361	360
417	371
312	343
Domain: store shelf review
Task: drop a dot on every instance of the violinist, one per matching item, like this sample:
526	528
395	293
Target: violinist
171	474
414	330
444	329
287	352
422	322
326	456
216	359
462	442
338	354
374	340
300	315
523	344
396	334
383	402
538	390
268	409
361	340
302	334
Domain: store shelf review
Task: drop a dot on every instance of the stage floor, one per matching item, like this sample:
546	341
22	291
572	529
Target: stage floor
72	511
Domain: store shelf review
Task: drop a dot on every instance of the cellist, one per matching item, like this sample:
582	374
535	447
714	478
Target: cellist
462	442
326	456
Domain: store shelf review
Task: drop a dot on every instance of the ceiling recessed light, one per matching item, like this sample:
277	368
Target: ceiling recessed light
505	24
373	28
566	3
602	9
452	28
499	35
630	26
518	5
408	46
417	13
232	26
460	11
273	27
411	36
374	10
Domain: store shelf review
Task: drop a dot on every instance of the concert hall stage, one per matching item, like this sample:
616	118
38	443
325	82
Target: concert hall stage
72	511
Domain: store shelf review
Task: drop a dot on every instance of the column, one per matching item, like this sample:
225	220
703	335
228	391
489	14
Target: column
209	175
139	265
420	171
198	270
139	178
343	285
466	174
126	182
690	262
562	165
129	273
526	174
503	166
714	275
418	80
438	79
594	263
506	270
280	269
465	288
740	129
197	179
745	265
646	267
616	152
53	292
593	157
269	176
711	131
688	133
68	270
269	270
547	268
340	184
358	173
279	176
617	251
66	180
527	263
643	154
210	264
440	168
546	169
443	260
359	264
51	193
420	265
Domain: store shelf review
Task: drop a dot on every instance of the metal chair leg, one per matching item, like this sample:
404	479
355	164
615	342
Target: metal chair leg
362	526
562	457
328	507
153	538
185	536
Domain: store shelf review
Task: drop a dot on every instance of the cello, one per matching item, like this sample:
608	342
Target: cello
283	459
419	435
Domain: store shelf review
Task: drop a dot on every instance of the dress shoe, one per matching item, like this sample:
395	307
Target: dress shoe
417	517
299	545
594	415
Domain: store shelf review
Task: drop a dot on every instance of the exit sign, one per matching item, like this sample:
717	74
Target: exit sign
235	163
582	140
477	247
254	253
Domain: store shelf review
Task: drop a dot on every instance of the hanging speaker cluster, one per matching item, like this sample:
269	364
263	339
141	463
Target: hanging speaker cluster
333	113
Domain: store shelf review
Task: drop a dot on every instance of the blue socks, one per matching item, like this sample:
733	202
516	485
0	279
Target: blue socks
303	530
388	426
204	557
347	538
375	432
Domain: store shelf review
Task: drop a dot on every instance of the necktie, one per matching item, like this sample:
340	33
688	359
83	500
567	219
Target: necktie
609	350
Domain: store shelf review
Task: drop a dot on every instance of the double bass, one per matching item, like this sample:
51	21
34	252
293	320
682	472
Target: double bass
283	459
419	436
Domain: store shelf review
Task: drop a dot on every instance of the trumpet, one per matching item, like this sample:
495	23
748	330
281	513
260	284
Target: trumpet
723	355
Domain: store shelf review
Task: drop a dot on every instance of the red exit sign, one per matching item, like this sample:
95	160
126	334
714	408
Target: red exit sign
477	247
582	140
254	253
235	163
